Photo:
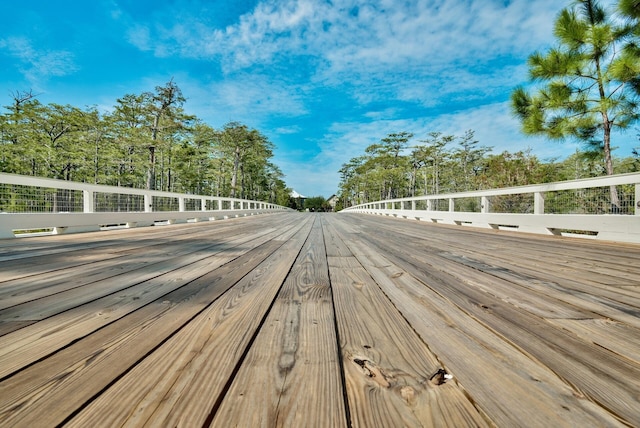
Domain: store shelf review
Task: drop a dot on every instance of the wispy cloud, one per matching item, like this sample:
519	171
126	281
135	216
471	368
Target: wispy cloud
36	65
140	36
252	99
382	49
351	35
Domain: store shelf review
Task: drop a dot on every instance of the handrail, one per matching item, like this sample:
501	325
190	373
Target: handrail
57	206
570	208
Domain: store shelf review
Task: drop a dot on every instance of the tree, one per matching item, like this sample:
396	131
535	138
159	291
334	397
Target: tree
168	118
587	92
315	203
247	151
96	146
146	141
18	142
630	9
349	179
387	165
130	131
433	155
469	159
277	191
54	126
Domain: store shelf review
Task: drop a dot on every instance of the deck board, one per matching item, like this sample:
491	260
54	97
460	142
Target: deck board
296	347
301	319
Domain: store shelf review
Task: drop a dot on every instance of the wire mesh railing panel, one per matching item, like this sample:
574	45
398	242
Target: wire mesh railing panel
211	205
15	198
117	202
165	203
421	205
520	203
468	205
192	204
595	200
440	205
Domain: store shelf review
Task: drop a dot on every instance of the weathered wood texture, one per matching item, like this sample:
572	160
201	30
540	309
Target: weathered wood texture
296	319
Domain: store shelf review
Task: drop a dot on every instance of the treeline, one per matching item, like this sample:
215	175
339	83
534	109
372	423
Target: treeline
146	141
400	166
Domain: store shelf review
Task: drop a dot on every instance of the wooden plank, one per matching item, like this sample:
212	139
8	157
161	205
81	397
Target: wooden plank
63	251
388	368
608	263
41	393
134	258
497	377
50	293
181	381
609	334
588	368
291	376
335	246
572	293
511	287
569	284
75	316
529	335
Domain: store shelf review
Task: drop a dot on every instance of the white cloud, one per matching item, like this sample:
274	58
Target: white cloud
36	65
250	99
286	130
417	51
351	35
140	37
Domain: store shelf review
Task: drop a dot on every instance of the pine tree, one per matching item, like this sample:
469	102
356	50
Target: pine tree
586	91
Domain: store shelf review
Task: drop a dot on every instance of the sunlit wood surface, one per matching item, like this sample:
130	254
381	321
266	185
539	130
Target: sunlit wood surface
325	320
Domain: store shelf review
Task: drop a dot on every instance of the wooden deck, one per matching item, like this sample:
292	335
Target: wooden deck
323	320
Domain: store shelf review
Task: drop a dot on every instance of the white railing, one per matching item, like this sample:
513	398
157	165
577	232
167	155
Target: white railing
42	205
571	208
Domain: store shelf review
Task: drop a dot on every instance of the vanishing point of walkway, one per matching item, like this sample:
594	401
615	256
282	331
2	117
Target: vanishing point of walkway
325	320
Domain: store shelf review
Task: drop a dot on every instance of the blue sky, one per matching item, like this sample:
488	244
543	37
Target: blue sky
321	79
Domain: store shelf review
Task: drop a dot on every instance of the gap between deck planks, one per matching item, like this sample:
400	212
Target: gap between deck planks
315	320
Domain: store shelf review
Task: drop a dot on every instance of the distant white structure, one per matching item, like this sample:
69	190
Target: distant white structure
332	201
298	198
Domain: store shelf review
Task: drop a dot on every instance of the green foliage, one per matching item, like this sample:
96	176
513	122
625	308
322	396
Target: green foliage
396	168
437	165
585	81
147	141
316	204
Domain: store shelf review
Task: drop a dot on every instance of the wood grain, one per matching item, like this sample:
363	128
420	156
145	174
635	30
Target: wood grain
306	319
187	373
388	368
291	376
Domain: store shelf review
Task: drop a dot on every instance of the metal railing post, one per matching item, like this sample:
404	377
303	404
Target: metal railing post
485	205
538	203
148	203
87	201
